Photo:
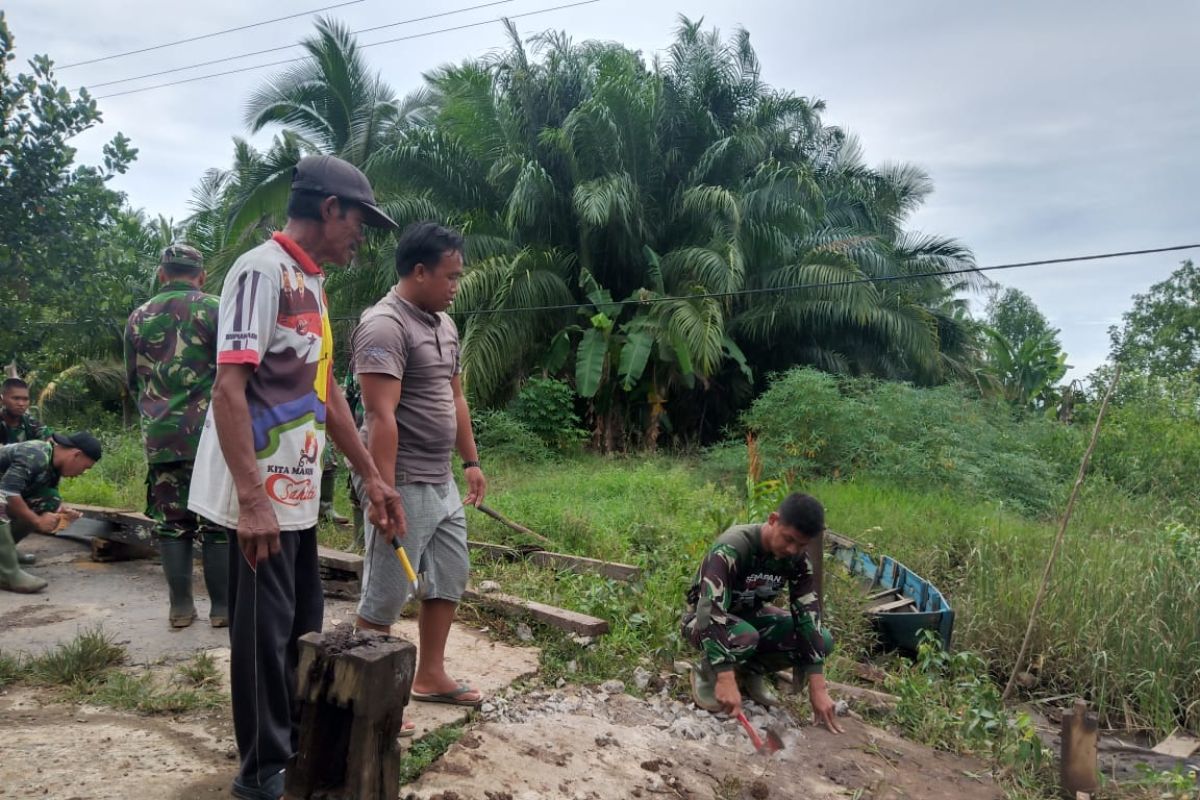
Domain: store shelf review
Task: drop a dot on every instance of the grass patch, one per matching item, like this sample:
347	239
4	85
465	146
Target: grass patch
144	693
87	668
118	480
426	750
84	659
11	669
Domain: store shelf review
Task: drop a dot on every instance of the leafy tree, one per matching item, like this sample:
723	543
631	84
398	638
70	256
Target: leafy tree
1015	316
1160	335
72	258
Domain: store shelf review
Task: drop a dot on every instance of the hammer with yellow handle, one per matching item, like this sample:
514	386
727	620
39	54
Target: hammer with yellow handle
418	585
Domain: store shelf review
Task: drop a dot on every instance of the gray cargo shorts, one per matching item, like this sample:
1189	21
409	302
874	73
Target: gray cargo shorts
436	544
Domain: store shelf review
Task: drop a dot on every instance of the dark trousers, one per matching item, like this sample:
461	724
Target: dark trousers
269	610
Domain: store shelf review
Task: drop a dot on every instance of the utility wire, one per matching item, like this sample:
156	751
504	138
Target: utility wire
290	46
765	290
827	284
361	47
206	35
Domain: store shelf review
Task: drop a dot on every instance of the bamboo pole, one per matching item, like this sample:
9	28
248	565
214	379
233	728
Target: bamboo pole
1062	530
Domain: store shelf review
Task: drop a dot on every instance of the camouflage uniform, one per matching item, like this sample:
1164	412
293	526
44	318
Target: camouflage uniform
730	617
170	364
27	470
29	429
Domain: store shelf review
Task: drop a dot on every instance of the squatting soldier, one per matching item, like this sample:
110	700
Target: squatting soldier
18	425
170	363
740	634
27	469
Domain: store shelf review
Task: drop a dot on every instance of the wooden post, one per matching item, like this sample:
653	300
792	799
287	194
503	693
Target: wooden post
352	688
1080	738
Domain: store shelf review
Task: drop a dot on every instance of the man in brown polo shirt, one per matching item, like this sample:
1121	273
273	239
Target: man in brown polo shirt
406	358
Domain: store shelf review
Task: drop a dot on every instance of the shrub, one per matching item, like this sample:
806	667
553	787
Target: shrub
547	408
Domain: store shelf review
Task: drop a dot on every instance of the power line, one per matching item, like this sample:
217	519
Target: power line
290	46
829	284
765	290
361	47
207	35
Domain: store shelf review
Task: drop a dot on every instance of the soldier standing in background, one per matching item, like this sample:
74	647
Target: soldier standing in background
170	364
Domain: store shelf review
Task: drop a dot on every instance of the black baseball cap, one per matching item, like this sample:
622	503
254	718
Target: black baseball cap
330	175
83	441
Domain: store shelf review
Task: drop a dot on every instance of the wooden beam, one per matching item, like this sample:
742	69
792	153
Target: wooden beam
880	595
352	690
894	605
339	561
545	558
560	618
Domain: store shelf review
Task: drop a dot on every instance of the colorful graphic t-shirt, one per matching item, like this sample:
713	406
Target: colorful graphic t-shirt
274	317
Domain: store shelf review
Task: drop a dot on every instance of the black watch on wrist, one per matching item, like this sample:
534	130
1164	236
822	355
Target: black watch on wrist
469	464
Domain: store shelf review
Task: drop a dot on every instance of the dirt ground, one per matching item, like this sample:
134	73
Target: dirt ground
617	746
568	743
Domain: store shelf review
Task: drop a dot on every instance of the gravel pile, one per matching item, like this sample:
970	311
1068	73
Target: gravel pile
678	720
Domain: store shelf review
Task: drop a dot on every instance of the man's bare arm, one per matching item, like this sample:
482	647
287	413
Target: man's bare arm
386	512
380	396
258	527
464	442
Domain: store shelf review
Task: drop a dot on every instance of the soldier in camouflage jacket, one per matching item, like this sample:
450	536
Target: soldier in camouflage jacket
732	619
18	425
170	363
27	471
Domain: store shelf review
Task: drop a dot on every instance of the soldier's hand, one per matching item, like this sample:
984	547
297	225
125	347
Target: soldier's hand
47	522
822	704
385	509
726	692
258	529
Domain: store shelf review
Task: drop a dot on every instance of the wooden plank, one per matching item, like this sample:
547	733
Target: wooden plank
609	569
339	560
545	558
880	595
895	605
560	618
1179	745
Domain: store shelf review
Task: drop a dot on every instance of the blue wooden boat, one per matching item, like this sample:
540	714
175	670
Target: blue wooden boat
901	604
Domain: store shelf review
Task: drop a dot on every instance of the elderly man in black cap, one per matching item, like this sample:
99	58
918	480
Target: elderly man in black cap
258	466
27	470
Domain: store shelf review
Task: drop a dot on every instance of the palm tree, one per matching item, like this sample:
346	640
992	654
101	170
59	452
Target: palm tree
651	195
582	175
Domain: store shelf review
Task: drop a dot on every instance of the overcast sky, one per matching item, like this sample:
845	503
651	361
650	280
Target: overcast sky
1050	129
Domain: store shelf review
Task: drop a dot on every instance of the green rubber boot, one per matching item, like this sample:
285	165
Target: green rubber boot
12	577
758	688
177	566
216	579
704	685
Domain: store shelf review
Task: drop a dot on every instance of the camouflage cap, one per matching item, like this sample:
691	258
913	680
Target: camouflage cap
183	255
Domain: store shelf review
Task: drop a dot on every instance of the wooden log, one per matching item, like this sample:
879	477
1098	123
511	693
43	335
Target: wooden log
352	687
560	618
106	550
870	697
1078	768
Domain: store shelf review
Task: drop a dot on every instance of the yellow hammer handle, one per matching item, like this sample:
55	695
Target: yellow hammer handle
404	562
